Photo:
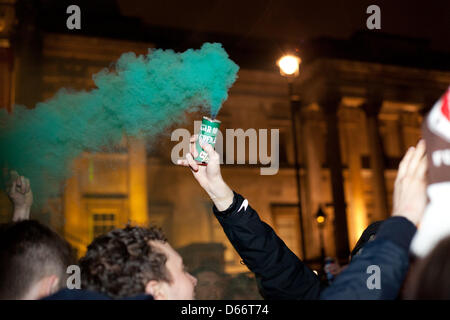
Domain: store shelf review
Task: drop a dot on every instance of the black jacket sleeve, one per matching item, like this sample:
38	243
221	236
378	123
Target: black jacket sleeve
279	272
379	271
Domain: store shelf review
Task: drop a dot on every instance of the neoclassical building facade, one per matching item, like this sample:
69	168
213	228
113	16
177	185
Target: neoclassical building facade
355	119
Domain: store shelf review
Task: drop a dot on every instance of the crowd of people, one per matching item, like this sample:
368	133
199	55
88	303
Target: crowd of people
139	263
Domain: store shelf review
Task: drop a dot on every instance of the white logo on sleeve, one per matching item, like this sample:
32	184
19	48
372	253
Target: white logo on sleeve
244	205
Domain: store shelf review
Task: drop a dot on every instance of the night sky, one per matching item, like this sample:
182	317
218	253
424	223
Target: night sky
297	20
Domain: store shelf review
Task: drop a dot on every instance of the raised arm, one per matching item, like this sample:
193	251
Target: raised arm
380	270
279	272
21	196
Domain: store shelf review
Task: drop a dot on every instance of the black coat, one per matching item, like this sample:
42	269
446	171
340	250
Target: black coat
282	275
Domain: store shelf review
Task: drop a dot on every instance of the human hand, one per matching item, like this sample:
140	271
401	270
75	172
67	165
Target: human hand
410	196
21	195
334	268
209	176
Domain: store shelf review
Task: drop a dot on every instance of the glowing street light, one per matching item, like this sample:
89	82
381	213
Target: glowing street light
289	65
320	220
289	68
320	216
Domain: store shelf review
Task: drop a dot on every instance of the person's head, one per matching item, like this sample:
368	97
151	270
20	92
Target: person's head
368	235
430	277
242	287
33	260
132	261
210	283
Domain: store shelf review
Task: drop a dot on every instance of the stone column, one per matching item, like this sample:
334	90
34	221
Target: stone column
372	107
357	215
329	103
7	18
312	158
28	47
137	189
76	226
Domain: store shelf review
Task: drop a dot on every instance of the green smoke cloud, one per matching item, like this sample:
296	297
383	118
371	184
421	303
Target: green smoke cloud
141	96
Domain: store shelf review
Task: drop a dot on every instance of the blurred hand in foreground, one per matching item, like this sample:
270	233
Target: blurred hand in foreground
410	196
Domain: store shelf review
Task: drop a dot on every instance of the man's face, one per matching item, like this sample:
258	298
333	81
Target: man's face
210	286
182	285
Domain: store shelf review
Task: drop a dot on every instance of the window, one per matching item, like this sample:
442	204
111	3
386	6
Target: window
104	213
102	223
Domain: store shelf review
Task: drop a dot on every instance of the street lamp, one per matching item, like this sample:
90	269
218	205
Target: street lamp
289	68
321	217
289	65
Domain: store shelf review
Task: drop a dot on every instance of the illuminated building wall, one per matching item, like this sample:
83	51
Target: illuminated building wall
142	186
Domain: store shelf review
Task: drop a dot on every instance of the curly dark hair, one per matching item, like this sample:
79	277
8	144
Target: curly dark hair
121	262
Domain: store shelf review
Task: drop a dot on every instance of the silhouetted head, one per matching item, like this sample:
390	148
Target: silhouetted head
430	277
242	287
33	260
210	283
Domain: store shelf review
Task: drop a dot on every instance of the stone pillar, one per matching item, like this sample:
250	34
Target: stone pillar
6	78
137	190
329	103
372	107
76	226
28	51
357	215
313	163
7	17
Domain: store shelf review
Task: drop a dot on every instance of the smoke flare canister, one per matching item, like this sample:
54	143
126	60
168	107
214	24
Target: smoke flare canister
208	133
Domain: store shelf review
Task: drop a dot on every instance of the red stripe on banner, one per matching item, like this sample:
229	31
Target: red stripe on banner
445	108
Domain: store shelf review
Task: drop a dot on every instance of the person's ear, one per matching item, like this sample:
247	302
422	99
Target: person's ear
48	286
156	289
54	284
43	288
